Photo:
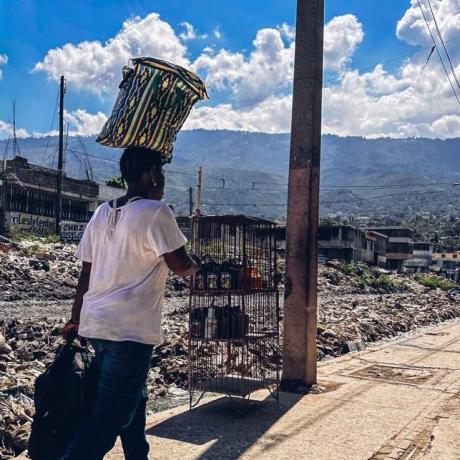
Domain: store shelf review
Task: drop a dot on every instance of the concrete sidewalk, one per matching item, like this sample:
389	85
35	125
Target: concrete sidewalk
400	400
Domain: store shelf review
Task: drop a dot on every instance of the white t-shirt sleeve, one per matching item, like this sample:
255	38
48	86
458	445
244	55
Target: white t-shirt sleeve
84	251
164	233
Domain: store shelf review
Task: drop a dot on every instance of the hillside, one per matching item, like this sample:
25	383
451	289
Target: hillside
255	167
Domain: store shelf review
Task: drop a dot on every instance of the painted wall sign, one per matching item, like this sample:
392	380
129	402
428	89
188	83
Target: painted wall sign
30	223
72	231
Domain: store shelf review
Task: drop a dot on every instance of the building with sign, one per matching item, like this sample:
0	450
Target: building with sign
27	200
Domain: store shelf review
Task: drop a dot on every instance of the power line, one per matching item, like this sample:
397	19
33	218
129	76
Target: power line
443	43
437	50
51	128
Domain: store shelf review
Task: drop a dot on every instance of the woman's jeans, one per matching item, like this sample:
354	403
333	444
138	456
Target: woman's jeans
119	406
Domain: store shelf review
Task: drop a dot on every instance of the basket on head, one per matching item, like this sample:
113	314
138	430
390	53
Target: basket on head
154	100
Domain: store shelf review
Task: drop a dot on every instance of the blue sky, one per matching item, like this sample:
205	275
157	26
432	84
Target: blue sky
30	28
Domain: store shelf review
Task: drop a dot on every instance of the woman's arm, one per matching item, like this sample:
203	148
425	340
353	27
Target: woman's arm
82	289
181	263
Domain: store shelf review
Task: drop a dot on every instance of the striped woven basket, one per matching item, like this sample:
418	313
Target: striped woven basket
154	100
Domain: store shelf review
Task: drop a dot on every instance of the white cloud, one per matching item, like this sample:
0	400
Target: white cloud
255	86
190	33
266	71
342	35
80	122
3	61
217	33
84	123
287	31
96	67
447	126
376	103
271	115
6	130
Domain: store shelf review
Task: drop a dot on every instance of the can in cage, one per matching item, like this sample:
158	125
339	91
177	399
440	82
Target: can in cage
199	281
225	280
212	281
196	328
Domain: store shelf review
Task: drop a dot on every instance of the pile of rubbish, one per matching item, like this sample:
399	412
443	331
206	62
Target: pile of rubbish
48	271
27	347
357	305
351	313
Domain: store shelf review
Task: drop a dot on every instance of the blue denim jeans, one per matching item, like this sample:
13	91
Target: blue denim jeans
119	406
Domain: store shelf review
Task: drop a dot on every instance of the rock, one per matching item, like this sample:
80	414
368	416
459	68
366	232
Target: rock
328	334
71	282
5	349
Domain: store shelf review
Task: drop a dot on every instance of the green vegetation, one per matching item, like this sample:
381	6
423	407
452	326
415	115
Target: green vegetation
364	275
433	282
23	236
115	182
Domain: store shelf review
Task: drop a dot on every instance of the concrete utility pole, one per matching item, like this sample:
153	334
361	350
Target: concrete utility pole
60	158
300	318
16	151
190	200
199	178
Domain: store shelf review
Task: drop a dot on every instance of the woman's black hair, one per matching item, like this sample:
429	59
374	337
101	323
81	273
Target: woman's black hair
135	161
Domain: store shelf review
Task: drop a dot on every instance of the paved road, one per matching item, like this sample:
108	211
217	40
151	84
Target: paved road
399	400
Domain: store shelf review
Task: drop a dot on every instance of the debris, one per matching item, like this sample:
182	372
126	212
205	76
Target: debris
35	303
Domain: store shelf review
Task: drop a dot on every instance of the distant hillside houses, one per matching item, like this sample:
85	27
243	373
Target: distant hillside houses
392	248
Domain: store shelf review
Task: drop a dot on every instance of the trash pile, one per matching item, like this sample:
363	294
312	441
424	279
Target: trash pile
49	271
351	313
27	347
356	306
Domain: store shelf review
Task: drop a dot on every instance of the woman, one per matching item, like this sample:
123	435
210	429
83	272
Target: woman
127	249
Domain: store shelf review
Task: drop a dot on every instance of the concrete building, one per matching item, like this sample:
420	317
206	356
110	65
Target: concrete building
447	264
400	245
422	257
343	242
378	255
27	201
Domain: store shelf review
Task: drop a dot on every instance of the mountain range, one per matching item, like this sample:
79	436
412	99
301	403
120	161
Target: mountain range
247	172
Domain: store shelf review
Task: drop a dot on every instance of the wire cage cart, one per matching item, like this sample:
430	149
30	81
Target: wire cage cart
234	345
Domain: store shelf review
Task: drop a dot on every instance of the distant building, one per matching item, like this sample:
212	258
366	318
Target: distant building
27	200
378	256
447	264
422	257
28	194
343	242
400	245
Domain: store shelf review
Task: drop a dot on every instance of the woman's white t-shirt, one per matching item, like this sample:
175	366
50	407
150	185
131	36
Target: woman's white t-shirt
128	273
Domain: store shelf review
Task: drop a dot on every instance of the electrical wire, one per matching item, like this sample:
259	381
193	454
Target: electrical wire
51	128
443	43
437	50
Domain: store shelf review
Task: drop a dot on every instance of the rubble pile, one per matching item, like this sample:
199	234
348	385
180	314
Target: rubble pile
28	347
49	271
350	312
37	271
356	305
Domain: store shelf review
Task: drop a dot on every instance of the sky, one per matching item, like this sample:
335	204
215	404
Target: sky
375	82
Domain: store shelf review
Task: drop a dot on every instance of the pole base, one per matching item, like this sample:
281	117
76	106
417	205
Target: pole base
296	386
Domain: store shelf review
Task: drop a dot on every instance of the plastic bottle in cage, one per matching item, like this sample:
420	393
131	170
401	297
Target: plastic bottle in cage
210	329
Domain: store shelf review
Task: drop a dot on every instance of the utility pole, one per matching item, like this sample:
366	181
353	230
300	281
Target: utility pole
60	158
300	306
16	151
190	200
199	177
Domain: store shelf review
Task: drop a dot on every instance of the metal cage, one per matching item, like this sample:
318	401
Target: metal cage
234	345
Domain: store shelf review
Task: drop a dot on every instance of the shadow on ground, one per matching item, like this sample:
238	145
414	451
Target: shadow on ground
233	425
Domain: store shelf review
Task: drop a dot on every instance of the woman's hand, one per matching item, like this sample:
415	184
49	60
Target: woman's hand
70	330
